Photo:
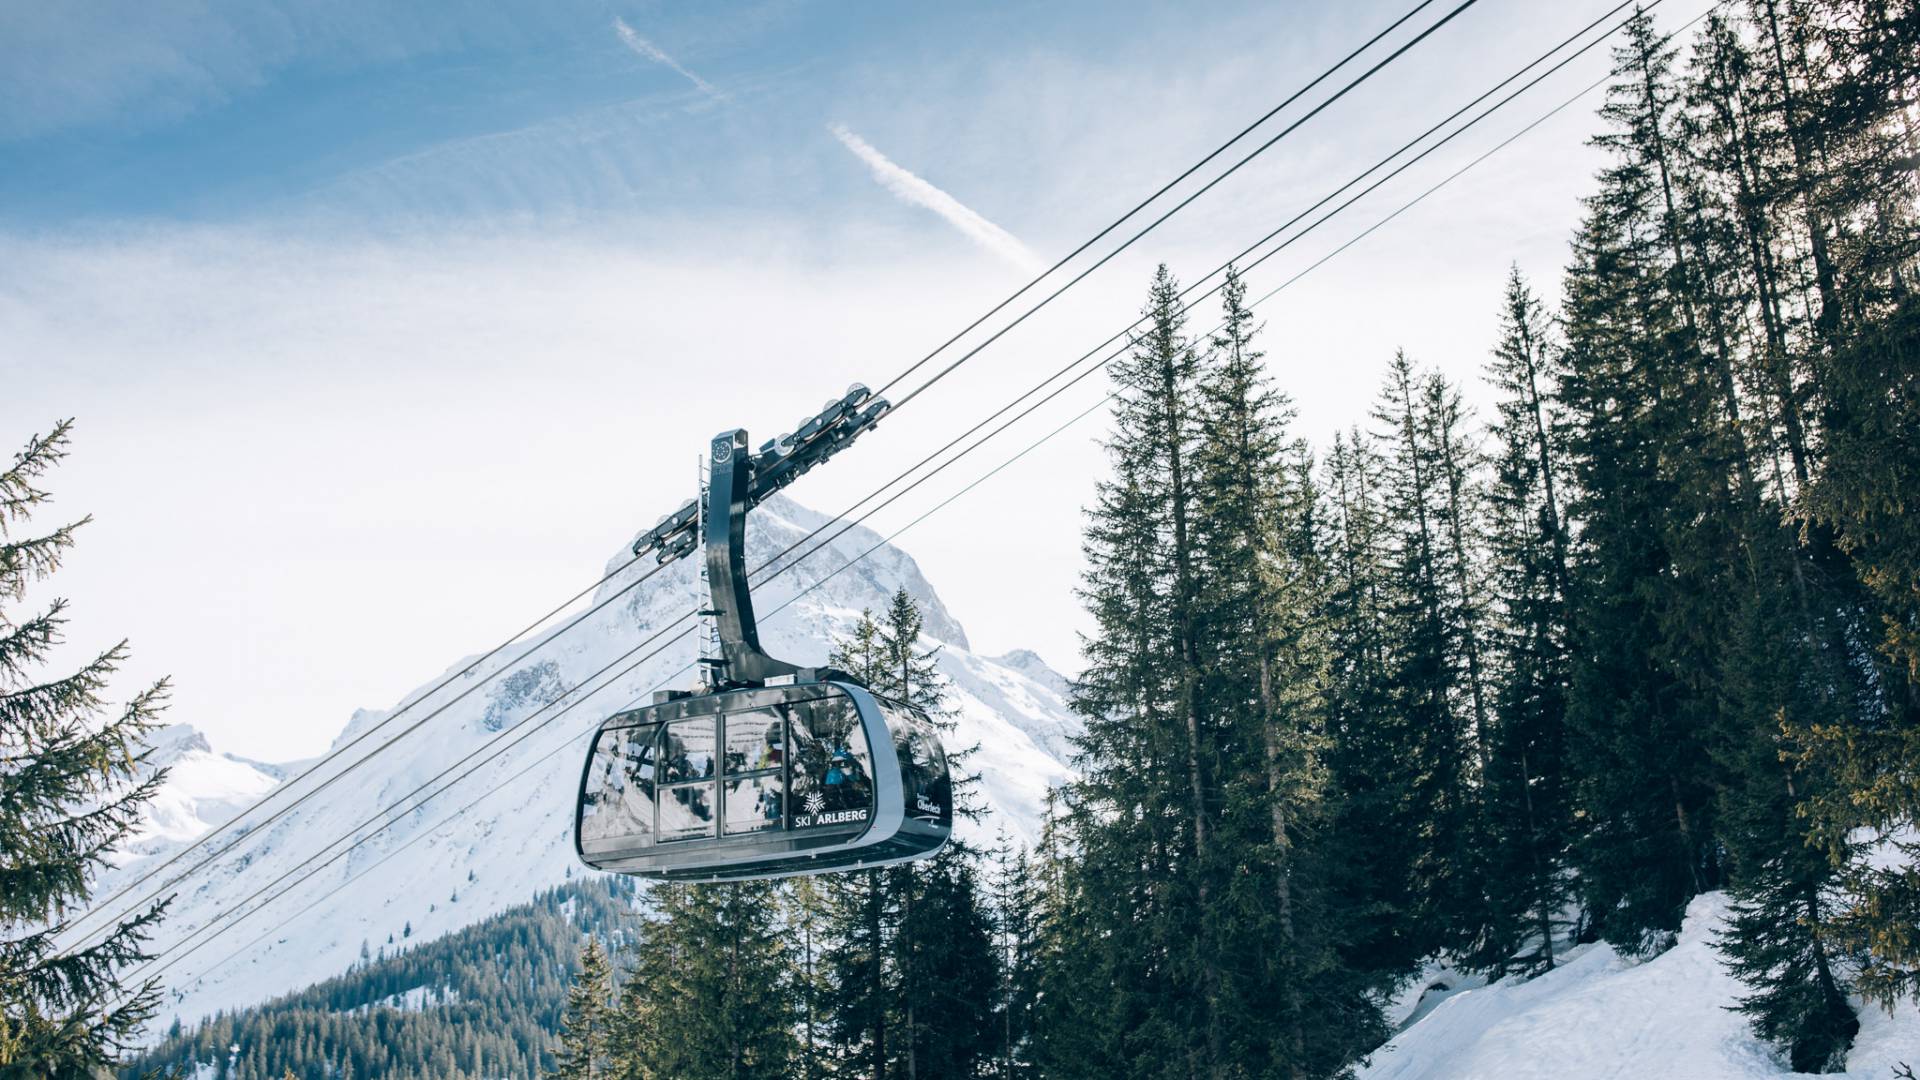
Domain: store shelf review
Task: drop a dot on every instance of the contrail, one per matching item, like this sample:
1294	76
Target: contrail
910	188
650	51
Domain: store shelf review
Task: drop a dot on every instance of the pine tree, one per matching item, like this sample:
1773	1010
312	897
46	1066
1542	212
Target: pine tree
913	958
584	1032
1428	623
809	928
71	789
1650	499
1527	818
709	997
1017	898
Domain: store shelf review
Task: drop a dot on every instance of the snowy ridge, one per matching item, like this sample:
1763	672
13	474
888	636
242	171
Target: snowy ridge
1598	1014
518	840
203	789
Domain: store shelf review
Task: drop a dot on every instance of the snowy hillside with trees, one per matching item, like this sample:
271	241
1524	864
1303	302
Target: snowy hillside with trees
425	876
1576	736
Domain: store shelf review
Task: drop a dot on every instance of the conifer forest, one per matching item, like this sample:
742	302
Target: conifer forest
1503	669
1472	686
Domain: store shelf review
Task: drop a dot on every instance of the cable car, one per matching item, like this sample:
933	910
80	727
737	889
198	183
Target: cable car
770	769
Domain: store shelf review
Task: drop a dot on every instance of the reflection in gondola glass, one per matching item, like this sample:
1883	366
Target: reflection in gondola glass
832	773
929	790
754	803
761	782
686	795
619	803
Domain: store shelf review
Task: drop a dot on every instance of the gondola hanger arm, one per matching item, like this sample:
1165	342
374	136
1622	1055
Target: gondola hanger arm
738	481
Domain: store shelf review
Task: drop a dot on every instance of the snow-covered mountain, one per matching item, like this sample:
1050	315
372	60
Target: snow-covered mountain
517	837
203	789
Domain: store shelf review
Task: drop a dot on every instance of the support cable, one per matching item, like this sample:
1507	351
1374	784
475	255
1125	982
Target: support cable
335	753
1050	435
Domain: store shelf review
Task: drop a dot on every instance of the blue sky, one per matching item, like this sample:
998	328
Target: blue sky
385	325
239	112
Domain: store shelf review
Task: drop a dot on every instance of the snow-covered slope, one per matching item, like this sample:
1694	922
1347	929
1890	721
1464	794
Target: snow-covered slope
517	838
203	789
1601	1015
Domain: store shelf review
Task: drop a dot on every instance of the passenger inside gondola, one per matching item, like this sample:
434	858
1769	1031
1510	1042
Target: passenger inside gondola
832	781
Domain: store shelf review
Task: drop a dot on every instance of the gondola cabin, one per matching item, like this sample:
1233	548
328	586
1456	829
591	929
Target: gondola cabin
770	769
763	782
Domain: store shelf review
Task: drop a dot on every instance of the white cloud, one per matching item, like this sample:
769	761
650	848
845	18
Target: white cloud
648	50
359	429
912	189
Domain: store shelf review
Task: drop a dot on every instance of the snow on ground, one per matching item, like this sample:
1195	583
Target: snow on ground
1600	1015
414	1000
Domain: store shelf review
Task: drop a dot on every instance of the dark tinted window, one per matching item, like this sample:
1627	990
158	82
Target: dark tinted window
927	787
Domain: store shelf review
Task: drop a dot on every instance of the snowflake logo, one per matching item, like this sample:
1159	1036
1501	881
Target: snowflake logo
815	803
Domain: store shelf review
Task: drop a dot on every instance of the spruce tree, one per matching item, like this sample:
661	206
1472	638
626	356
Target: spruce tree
914	962
1079	1020
709	996
1873	756
583	1053
1372	758
1298	1011
1650	502
1527	817
1256	659
862	982
71	791
1427	627
1144	809
1836	84
1017	896
809	928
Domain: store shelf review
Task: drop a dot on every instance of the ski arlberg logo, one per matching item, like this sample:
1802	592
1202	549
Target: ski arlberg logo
815	803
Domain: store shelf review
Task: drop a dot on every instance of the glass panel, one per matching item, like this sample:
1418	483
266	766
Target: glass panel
923	764
832	771
686	813
753	803
689	751
755	740
619	796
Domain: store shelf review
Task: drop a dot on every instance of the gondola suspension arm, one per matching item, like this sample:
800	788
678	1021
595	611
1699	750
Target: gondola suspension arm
738	482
